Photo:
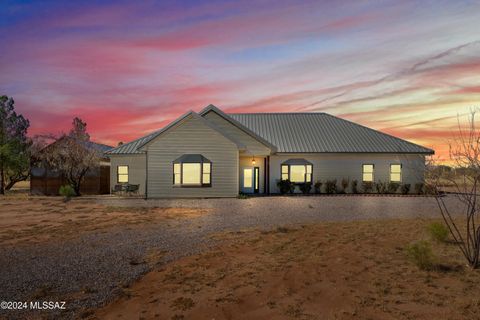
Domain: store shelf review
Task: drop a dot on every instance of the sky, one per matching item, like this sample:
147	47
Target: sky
407	68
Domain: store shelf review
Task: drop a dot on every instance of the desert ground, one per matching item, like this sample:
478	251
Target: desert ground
258	258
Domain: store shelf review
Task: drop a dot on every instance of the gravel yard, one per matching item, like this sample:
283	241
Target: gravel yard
91	268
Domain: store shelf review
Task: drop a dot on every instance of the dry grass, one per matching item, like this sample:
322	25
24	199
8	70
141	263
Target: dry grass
27	219
354	270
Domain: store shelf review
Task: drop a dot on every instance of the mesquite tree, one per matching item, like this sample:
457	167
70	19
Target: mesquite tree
465	180
14	145
72	155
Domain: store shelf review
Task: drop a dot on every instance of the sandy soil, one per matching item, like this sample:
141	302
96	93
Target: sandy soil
26	219
341	270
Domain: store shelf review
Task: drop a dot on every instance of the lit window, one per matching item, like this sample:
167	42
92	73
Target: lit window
192	170
247	177
368	173
395	172
297	171
122	174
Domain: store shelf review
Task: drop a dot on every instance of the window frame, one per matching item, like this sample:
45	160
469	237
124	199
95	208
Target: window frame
373	171
400	173
195	185
123	174
288	165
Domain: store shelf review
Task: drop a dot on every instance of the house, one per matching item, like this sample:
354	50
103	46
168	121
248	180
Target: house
214	154
45	180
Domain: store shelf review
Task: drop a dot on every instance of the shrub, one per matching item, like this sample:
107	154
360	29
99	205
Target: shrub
242	196
405	189
318	187
421	254
367	186
438	231
429	189
67	192
344	183
285	186
381	187
393	187
305	187
419	188
354	186
331	186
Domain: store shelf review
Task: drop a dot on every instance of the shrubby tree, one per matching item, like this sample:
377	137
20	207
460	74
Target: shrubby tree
72	155
15	146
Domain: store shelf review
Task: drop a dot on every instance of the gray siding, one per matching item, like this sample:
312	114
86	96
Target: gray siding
254	147
349	166
136	169
192	136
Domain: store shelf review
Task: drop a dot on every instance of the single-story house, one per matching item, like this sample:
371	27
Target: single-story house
215	154
46	180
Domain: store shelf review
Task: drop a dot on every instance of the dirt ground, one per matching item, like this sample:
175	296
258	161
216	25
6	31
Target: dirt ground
341	270
30	219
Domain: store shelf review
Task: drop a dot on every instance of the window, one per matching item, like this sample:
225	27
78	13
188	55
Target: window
247	177
297	171
122	174
395	172
367	173
192	170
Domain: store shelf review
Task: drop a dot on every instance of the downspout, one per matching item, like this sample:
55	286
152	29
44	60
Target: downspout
146	175
268	175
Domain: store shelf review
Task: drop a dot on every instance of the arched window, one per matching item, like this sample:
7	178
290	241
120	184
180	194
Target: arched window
297	171
192	170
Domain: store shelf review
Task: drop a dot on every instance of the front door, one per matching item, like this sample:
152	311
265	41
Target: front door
250	180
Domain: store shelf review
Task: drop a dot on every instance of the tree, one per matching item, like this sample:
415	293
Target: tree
465	180
73	155
14	145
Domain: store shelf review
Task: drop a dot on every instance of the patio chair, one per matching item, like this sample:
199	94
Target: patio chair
118	188
132	188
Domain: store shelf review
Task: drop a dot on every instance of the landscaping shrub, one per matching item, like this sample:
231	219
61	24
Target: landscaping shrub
305	187
285	186
354	186
367	187
405	189
421	254
331	186
318	187
67	192
344	183
419	188
429	189
243	196
381	187
438	231
393	187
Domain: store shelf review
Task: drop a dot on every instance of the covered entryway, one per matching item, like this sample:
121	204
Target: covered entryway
252	175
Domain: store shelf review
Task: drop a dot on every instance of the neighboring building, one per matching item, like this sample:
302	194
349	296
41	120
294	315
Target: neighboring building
214	154
45	180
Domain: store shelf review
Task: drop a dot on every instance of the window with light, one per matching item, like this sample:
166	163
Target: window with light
122	174
367	173
395	172
192	170
297	171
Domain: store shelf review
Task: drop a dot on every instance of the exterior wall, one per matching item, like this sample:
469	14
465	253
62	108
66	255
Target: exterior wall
349	166
254	147
246	162
136	169
192	136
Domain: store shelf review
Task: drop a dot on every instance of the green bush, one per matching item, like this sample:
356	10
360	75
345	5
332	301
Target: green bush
318	187
438	231
405	189
419	188
344	183
381	187
243	196
285	186
354	186
367	186
393	187
67	192
331	186
305	187
421	254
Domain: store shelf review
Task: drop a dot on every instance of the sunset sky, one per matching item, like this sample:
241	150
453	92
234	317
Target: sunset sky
128	68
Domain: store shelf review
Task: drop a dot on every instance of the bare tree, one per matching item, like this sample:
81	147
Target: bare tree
464	178
73	155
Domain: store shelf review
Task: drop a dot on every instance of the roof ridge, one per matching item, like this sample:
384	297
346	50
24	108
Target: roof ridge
275	113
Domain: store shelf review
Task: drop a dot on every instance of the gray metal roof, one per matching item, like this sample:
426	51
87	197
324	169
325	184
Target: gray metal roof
132	147
321	132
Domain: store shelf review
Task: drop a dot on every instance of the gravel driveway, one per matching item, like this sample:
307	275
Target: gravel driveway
101	263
